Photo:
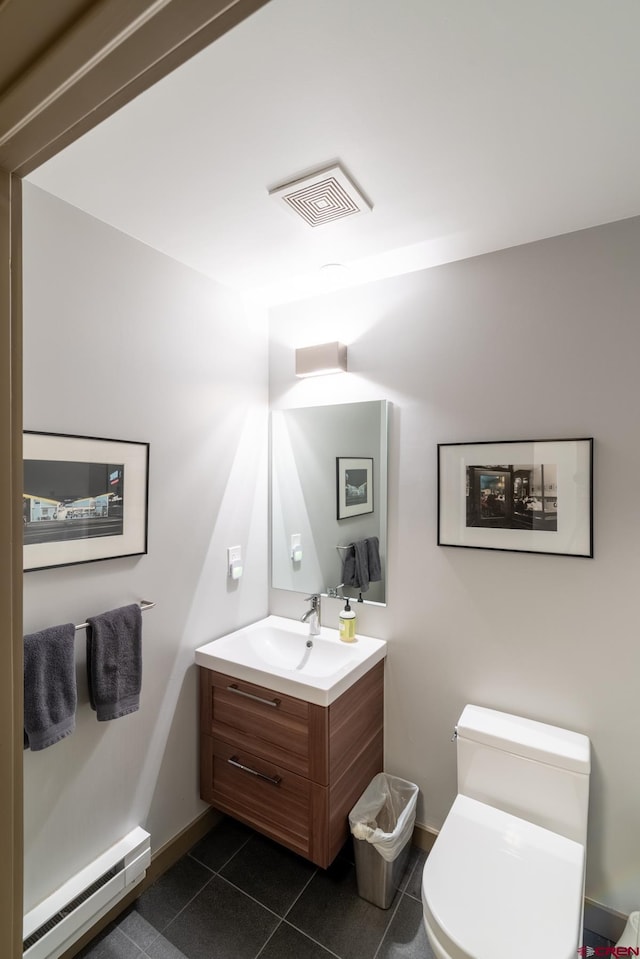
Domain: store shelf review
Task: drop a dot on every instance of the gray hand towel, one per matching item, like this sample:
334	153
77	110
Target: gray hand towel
373	559
49	686
362	565
114	662
349	567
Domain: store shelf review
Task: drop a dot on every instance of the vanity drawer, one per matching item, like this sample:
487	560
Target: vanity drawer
264	795
267	724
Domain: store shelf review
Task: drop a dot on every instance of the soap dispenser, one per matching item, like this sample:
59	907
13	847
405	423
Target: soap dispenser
347	624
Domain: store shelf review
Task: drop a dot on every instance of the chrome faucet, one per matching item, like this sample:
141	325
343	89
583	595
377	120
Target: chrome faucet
312	615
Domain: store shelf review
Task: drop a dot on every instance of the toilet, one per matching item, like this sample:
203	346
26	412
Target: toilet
505	877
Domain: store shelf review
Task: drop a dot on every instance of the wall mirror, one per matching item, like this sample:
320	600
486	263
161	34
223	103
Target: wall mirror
328	491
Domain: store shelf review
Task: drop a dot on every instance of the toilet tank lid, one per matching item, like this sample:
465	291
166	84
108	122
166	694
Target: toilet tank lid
526	737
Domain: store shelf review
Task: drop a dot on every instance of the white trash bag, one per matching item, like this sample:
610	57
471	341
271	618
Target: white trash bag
631	933
385	814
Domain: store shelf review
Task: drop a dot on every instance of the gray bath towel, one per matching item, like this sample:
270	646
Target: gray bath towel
49	686
114	662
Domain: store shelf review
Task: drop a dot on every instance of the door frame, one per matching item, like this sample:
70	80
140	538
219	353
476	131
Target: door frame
106	57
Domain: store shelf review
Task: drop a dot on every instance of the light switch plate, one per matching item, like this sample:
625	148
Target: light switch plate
296	547
234	555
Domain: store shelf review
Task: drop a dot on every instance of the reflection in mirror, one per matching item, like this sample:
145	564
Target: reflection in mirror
328	462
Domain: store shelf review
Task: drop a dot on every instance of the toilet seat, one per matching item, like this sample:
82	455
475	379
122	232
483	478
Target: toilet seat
498	887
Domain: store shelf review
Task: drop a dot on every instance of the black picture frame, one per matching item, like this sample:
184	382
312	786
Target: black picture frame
354	486
525	496
85	499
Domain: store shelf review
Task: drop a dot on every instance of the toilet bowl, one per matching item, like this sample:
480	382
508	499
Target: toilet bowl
505	877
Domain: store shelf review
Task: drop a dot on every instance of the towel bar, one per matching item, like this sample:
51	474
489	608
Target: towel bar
144	604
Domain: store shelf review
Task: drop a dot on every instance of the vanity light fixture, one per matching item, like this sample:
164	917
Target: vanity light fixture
320	359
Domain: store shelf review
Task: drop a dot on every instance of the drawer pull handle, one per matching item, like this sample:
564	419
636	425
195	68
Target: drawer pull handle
267	702
274	780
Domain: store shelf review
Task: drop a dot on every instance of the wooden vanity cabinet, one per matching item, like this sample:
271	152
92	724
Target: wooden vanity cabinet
290	769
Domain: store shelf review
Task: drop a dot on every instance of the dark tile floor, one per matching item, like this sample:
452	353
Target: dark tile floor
237	895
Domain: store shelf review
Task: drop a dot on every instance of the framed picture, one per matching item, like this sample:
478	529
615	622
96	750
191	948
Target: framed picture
84	499
354	485
531	496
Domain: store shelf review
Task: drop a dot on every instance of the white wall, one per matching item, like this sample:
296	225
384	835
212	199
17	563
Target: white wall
122	342
540	341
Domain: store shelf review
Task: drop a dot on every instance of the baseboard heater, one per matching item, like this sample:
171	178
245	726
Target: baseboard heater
59	921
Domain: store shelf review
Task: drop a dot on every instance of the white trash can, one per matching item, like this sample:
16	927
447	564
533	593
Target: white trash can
382	824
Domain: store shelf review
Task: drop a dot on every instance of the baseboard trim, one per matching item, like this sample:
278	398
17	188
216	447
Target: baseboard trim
424	837
161	860
603	920
597	918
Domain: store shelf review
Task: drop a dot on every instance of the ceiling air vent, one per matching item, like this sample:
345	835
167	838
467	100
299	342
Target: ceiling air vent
322	197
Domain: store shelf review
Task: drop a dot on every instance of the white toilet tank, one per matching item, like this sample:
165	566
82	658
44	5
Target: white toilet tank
529	769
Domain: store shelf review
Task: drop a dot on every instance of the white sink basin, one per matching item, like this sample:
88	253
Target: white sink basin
274	652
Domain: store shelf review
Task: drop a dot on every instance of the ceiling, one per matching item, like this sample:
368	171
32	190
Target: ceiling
471	126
